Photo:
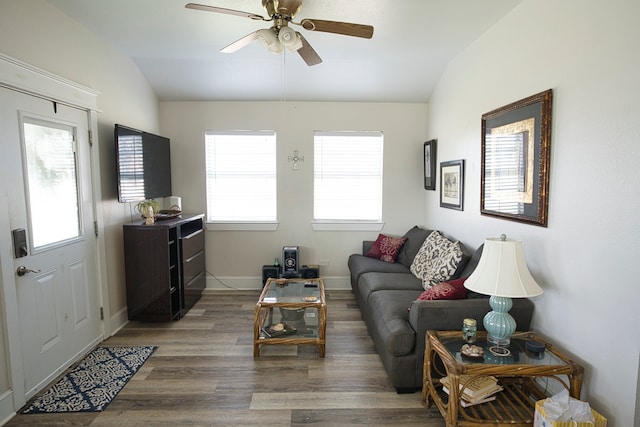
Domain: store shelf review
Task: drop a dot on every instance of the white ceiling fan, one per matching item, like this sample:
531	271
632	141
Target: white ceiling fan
280	35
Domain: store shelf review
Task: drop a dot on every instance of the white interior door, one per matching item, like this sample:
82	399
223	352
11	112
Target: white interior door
45	164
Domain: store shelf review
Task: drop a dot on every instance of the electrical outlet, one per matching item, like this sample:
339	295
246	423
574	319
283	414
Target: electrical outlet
323	263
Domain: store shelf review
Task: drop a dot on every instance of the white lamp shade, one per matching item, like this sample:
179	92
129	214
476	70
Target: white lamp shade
502	271
288	37
269	40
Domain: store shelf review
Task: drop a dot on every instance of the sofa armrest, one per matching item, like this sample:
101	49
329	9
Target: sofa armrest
367	245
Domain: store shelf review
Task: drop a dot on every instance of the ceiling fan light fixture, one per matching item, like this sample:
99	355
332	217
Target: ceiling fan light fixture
295	46
280	35
287	36
269	40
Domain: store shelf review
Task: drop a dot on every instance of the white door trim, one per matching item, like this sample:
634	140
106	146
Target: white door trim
18	75
22	77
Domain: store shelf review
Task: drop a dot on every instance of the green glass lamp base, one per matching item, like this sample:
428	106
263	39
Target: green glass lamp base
498	323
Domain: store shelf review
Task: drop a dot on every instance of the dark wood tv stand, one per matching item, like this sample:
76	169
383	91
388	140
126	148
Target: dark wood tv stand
164	267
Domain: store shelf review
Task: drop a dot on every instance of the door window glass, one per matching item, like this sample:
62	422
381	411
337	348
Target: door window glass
52	184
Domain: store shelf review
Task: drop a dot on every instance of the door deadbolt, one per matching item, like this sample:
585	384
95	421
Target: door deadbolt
19	243
22	270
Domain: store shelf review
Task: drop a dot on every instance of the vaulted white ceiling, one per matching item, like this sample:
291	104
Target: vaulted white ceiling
177	49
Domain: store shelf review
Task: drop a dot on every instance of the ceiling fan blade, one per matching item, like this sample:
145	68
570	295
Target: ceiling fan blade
307	53
206	8
289	7
239	44
345	28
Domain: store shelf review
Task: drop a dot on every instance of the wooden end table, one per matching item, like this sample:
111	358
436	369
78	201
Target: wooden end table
299	304
517	373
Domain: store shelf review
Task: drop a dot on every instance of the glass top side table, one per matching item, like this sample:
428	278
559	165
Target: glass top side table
518	372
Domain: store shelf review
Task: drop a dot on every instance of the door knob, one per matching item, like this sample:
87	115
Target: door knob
22	270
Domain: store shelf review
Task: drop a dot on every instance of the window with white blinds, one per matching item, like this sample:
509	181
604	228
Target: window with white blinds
347	177
241	176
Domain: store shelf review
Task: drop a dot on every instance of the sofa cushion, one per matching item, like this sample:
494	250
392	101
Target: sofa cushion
450	290
415	238
391	324
437	260
386	248
473	262
469	268
373	282
360	264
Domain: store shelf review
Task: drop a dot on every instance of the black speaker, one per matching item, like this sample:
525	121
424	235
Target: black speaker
269	272
310	272
290	260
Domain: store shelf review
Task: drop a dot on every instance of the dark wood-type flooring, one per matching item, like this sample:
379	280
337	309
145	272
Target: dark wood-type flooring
204	374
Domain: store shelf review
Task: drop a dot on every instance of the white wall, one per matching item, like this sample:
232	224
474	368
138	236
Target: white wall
587	52
237	257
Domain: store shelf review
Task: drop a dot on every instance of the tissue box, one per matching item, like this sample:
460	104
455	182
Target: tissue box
540	419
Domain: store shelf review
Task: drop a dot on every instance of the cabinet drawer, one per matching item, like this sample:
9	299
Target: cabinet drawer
192	266
192	244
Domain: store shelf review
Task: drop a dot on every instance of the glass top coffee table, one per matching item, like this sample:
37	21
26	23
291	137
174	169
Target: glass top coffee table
290	312
518	370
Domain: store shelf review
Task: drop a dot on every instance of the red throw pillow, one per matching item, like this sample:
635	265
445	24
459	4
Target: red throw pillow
386	248
453	289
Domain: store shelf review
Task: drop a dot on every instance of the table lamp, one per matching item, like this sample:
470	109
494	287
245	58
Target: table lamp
502	273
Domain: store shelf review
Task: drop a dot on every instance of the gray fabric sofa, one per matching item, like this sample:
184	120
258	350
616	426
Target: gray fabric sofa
387	296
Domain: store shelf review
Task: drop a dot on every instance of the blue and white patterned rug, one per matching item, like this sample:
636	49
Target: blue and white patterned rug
93	383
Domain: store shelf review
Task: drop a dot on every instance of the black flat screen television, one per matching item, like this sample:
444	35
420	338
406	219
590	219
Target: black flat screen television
143	162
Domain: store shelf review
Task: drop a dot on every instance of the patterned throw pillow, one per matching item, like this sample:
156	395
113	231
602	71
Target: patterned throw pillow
386	248
453	289
437	260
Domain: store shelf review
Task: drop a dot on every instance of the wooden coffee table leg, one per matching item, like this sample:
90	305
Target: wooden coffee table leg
322	329
256	331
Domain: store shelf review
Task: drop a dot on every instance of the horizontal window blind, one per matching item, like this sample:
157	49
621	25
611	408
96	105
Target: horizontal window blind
131	167
241	176
505	168
347	176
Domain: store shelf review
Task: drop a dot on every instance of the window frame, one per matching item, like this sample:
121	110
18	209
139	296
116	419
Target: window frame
233	224
349	224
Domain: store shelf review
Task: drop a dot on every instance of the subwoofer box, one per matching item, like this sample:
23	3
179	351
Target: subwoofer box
310	272
269	272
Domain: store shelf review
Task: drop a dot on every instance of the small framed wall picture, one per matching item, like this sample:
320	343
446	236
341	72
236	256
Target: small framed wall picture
429	152
452	184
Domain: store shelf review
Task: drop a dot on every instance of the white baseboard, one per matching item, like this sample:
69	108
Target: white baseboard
119	320
6	407
255	283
